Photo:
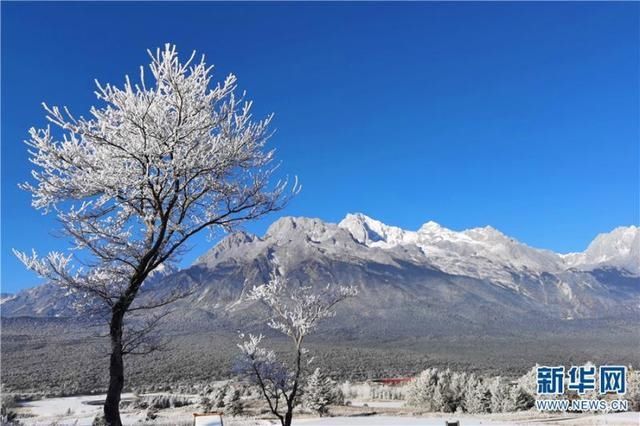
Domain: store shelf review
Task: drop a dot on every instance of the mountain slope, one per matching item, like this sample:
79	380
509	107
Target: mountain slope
619	248
430	281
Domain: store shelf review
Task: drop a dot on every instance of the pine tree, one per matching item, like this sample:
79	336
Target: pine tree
442	395
205	403
319	393
486	400
509	402
233	405
219	397
420	391
633	389
500	395
528	382
523	400
456	390
475	399
438	402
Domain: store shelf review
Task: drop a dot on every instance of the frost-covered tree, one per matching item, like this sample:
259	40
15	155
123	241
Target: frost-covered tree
633	389
522	400
447	391
205	403
154	164
438	390
438	399
420	391
214	398
8	401
296	313
501	396
319	392
233	405
218	396
528	381
477	397
457	387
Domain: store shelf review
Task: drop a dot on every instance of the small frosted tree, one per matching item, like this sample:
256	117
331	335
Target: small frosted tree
319	392
522	399
528	381
155	164
296	313
217	397
456	391
233	405
420	391
477	397
633	389
437	390
501	396
438	402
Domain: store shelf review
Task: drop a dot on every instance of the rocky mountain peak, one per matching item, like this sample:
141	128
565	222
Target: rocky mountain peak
226	245
430	227
292	224
618	248
369	231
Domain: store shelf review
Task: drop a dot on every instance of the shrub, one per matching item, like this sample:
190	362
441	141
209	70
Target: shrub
233	405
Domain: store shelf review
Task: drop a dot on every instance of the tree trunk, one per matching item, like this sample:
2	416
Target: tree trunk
291	400
116	371
288	417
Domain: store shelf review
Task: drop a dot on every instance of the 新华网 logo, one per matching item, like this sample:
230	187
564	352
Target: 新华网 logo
607	379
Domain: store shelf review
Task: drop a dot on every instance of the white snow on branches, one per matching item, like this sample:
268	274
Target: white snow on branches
296	312
159	161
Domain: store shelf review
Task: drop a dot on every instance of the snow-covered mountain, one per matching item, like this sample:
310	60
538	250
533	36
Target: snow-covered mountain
619	248
484	253
489	254
456	281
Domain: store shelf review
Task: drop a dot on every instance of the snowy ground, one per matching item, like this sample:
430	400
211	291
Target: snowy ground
81	410
71	410
393	421
378	404
618	419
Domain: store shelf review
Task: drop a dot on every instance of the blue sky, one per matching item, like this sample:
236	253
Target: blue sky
522	116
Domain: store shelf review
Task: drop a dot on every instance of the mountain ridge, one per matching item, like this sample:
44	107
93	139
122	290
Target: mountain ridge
478	279
434	234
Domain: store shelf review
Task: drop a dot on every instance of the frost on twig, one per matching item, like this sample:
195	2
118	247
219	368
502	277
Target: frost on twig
156	163
296	313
